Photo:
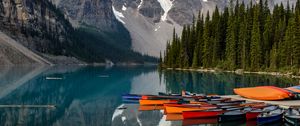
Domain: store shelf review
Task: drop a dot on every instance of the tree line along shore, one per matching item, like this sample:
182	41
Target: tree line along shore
248	37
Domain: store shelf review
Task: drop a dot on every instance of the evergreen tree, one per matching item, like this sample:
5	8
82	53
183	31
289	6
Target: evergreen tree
255	42
231	43
249	37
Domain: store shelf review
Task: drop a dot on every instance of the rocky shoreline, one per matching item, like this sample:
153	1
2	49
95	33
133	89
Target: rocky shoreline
238	71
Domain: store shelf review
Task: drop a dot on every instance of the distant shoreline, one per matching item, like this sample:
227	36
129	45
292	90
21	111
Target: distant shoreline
238	71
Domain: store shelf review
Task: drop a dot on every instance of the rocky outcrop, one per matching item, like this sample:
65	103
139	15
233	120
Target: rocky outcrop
37	26
151	9
95	13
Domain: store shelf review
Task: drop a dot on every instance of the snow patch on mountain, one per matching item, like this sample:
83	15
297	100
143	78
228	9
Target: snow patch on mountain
118	15
124	8
204	0
157	28
140	5
166	5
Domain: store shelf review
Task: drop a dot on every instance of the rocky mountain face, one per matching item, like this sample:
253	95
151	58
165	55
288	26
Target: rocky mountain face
96	15
37	32
37	27
107	29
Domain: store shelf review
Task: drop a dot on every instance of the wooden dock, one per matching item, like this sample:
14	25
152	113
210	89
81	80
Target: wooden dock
283	103
27	106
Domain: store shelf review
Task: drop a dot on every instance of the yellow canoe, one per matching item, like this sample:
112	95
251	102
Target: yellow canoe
179	110
156	102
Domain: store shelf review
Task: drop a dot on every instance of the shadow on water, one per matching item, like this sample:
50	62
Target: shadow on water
91	95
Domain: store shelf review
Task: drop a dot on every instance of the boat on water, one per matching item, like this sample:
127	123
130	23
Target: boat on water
234	115
150	107
252	115
132	96
179	110
270	117
209	113
202	114
156	102
173	117
292	116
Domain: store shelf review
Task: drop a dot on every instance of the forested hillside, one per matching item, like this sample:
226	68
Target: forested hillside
241	37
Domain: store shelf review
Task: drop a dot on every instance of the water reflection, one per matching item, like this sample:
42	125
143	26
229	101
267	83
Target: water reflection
218	83
91	95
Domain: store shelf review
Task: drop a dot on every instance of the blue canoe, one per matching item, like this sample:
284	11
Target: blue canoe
132	96
270	117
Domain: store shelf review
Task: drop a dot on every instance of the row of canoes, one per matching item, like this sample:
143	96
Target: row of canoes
214	108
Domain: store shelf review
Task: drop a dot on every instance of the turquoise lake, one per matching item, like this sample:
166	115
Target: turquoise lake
91	96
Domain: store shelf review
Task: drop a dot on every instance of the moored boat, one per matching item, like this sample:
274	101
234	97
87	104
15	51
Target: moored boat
292	116
173	117
270	117
150	107
239	115
156	102
179	110
252	115
208	113
202	114
131	96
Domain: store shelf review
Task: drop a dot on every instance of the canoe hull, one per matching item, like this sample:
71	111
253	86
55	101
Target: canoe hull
268	120
252	115
200	114
156	102
179	110
292	120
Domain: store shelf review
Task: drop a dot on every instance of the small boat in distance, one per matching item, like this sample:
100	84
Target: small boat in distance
104	76
54	78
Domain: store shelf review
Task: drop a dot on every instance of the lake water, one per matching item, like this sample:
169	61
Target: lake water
91	96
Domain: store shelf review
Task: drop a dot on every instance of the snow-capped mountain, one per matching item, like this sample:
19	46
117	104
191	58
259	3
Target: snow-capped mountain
149	22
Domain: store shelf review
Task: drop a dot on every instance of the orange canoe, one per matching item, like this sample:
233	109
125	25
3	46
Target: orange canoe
174	117
156	102
150	107
268	93
179	110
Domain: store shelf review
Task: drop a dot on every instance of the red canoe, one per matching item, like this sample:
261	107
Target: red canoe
252	115
202	114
